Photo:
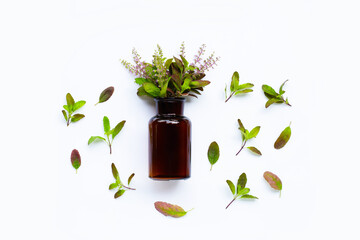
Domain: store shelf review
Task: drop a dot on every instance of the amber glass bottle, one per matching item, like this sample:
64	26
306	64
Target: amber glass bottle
169	141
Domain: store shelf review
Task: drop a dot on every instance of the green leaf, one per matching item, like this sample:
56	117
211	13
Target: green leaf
164	88
113	185
283	138
273	180
186	85
140	81
231	186
66	108
93	138
179	64
75	159
248	196
77	117
186	63
281	92
254	132
199	83
269	90
213	153
106	94
168	62
78	105
255	150
114	171
234	81
243	191
152	89
271	101
245	85
130	178
171	210
241	182
106	124
119	193
117	129
70	101
141	92
243	91
65	115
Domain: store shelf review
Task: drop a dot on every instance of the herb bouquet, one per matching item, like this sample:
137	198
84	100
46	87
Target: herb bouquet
168	81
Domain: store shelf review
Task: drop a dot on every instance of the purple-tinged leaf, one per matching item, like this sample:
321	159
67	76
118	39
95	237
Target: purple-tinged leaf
168	209
77	117
70	100
273	180
114	171
255	150
65	115
231	186
106	94
283	138
130	178
75	159
119	193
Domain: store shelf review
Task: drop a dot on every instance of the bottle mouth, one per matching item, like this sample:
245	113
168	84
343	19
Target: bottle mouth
170	99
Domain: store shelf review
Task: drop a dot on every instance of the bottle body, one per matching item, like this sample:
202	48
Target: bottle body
169	141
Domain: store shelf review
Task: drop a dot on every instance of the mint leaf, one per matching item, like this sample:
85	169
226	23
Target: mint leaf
213	153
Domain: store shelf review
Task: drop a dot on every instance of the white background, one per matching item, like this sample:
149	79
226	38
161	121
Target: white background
49	48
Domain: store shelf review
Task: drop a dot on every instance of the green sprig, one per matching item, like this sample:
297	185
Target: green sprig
121	188
246	135
108	132
273	96
237	88
70	107
240	192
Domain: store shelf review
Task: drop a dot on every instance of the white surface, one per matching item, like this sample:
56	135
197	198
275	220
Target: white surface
50	48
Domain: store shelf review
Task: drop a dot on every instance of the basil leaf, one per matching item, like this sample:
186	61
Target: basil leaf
243	191
114	171
75	159
70	101
231	186
213	153
93	138
243	91
273	180
106	94
254	132
119	193
130	178
255	150
248	196
283	138
78	105
106	123
113	185
168	209
241	182
117	129
269	90
234	81
77	117
65	115
151	89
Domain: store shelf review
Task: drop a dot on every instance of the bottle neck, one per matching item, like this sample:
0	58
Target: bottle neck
170	106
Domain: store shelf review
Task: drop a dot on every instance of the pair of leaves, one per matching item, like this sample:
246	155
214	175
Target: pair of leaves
75	159
171	210
213	153
105	95
273	96
283	138
273	180
121	188
237	88
107	131
70	107
247	135
240	192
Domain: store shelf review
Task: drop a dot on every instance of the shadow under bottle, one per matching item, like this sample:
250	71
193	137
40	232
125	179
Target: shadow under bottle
169	141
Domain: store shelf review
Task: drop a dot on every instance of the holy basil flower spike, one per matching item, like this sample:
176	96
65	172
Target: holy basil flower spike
70	107
240	191
108	132
236	88
121	188
273	96
171	77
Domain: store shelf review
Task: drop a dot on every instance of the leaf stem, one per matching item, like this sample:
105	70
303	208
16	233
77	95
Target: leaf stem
241	148
128	187
230	203
229	96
